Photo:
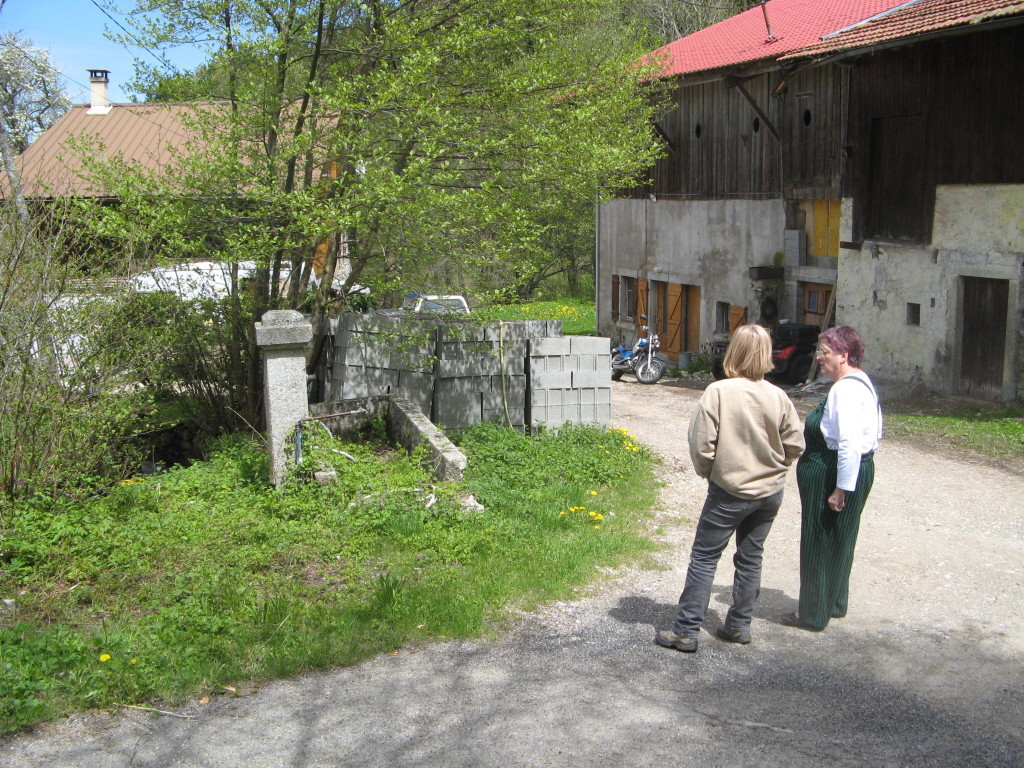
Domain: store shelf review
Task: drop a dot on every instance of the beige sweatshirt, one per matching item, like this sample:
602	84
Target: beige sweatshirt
744	436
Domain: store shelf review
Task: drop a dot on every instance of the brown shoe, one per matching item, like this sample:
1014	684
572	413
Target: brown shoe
666	638
741	636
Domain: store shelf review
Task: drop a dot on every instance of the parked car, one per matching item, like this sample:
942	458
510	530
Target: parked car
793	347
429	304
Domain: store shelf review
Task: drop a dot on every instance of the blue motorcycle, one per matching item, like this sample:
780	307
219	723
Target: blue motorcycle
641	360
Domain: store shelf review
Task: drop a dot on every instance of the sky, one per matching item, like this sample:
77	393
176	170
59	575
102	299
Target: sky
72	31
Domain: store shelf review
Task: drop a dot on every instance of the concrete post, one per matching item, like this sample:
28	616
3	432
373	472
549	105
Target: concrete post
283	336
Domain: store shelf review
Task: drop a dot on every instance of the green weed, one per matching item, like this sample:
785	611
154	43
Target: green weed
177	585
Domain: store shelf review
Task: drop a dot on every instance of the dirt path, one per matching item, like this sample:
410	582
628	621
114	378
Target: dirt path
927	669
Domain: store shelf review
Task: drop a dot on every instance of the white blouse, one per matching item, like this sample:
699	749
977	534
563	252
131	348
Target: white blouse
851	424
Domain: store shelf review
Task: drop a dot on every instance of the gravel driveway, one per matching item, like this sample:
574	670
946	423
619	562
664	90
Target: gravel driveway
927	669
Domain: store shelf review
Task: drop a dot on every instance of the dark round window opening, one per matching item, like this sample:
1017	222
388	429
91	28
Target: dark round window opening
807	117
757	124
696	131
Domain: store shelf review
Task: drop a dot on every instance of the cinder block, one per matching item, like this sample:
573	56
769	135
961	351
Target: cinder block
420	398
570	396
354	387
603	396
588	396
461	332
550	346
547	364
587	414
413	357
459	350
571	362
376	357
582	379
415	380
494	400
588	362
550	380
464	385
381	381
517	383
459	411
470	366
590	345
554	328
603	414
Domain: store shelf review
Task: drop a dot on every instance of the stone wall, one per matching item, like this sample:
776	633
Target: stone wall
458	373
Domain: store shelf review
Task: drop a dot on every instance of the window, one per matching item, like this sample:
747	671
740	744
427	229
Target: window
722	317
615	298
913	313
628	300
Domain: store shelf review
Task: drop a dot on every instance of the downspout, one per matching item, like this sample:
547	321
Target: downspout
597	260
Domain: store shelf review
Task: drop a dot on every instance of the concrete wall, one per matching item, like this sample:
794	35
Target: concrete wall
708	243
458	373
978	231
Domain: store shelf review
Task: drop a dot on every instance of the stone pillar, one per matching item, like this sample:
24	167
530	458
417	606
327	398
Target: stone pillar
283	336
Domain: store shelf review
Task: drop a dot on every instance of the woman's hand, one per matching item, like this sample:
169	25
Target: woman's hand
837	500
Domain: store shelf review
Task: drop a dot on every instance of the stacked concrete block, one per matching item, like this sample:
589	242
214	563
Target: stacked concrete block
525	373
480	375
570	381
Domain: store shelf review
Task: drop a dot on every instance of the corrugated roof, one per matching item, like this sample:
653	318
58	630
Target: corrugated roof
744	37
921	17
146	134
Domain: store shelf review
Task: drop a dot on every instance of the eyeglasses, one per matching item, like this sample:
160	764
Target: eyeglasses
823	351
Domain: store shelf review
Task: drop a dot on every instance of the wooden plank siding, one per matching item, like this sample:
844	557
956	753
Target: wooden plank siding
715	150
735	153
955	106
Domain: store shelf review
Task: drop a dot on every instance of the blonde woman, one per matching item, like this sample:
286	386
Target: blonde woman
743	439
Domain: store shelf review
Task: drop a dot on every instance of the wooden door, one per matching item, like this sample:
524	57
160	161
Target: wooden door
983	343
662	321
641	302
815	303
692	318
672	341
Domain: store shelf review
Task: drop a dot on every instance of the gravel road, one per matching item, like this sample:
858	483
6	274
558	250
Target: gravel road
927	669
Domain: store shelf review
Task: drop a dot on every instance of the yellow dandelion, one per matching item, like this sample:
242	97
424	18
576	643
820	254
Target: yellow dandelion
598	527
593	493
132	661
104	657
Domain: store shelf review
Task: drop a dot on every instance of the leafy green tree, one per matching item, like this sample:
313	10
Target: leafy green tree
365	142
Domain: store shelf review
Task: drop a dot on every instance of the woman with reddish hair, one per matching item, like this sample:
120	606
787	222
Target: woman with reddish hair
835	474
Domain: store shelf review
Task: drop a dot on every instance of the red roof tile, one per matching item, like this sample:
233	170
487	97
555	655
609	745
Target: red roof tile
913	19
744	37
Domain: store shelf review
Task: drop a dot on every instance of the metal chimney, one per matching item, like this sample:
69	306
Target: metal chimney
99	103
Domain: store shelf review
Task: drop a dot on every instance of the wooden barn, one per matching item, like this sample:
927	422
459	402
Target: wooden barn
867	149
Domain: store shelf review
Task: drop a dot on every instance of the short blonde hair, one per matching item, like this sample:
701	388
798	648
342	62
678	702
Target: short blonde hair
749	354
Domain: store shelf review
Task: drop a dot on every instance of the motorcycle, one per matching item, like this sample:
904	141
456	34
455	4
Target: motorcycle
641	361
793	346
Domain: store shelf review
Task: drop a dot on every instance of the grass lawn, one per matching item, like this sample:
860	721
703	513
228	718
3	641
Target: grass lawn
203	580
577	315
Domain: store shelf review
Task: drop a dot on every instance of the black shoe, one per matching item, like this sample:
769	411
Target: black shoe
793	620
666	638
741	636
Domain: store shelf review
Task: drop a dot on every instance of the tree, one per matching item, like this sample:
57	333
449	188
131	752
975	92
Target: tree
359	141
31	100
668	20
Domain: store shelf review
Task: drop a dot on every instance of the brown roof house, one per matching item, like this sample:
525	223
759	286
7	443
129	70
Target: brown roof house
142	134
847	161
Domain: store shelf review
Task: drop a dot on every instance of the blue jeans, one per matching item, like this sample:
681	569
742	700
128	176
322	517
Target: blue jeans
723	514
